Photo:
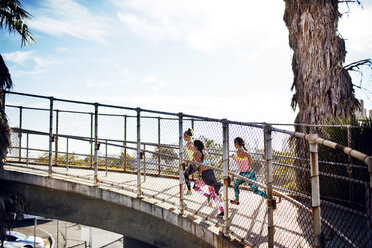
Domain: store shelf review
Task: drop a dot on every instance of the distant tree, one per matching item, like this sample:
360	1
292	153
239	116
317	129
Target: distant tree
214	151
130	159
167	154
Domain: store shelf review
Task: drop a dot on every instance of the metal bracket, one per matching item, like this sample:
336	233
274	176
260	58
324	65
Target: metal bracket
271	203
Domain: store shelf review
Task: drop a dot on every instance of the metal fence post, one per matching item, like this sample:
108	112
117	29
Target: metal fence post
159	133
91	141
67	161
106	157
350	168
27	147
180	157
20	134
125	143
225	154
50	135
368	212
271	203
315	191
368	161
96	145
56	139
144	162
139	191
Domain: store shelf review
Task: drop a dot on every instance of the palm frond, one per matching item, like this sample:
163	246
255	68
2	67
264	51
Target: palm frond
13	17
5	78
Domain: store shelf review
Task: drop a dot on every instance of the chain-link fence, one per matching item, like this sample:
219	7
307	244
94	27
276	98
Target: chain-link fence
294	190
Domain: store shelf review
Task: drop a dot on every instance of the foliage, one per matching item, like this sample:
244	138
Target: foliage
214	151
10	205
73	159
13	17
167	154
360	140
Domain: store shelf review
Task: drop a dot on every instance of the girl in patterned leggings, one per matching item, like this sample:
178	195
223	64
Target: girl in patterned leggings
244	161
207	176
189	150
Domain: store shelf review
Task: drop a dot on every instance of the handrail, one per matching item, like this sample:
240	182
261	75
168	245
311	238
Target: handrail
268	156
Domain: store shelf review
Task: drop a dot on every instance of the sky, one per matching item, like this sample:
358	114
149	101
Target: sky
220	59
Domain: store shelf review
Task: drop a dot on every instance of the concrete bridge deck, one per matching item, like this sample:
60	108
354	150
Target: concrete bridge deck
248	220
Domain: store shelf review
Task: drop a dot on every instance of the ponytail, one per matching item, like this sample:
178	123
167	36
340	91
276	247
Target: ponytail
240	142
200	147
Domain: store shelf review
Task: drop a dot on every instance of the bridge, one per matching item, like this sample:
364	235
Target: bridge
121	169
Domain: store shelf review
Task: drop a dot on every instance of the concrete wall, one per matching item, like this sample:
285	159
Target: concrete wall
112	211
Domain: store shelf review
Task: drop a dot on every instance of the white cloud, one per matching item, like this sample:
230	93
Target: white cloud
206	25
38	64
148	29
18	57
120	77
66	17
62	49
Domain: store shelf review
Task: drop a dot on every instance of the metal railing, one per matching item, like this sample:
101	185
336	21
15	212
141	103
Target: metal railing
143	153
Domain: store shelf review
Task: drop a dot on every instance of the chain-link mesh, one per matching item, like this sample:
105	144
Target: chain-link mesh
343	180
26	114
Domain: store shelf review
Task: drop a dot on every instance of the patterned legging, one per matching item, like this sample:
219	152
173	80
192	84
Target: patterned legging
188	172
251	175
199	184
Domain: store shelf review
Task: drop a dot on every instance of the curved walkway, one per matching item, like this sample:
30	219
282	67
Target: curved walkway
248	220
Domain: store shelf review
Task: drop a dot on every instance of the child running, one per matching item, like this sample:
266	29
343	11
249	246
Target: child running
189	149
207	176
244	161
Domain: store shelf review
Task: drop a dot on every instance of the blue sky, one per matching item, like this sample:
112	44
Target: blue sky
223	59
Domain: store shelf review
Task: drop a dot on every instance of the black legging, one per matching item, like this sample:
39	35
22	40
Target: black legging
210	179
188	172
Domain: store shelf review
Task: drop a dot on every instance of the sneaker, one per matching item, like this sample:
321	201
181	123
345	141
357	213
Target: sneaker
188	192
235	202
221	214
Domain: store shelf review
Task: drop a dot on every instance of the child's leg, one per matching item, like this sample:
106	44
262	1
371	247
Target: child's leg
189	171
216	198
210	179
198	187
254	188
237	182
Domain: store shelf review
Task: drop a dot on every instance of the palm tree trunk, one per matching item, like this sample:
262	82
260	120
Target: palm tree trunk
323	88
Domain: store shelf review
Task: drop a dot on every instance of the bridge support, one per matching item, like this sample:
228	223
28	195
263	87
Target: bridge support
269	183
225	135
315	191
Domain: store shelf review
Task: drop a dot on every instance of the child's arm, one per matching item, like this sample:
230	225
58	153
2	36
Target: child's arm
233	157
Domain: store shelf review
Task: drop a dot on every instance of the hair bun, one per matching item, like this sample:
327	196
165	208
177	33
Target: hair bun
189	132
